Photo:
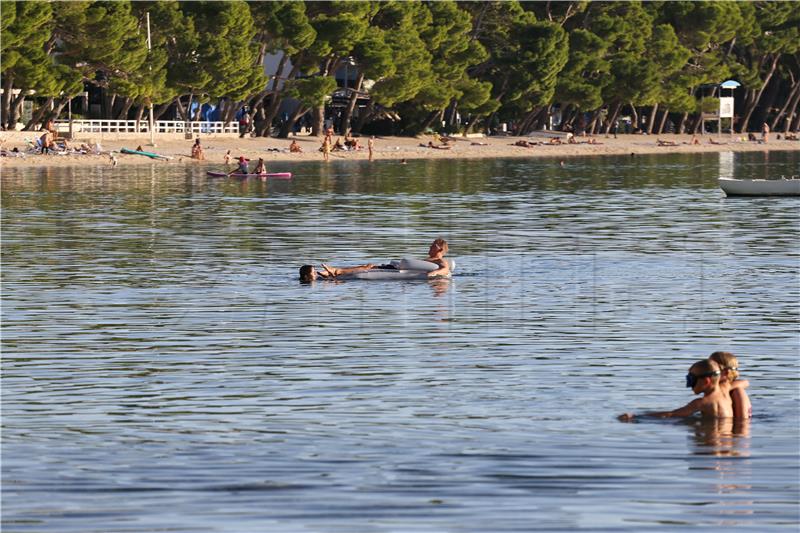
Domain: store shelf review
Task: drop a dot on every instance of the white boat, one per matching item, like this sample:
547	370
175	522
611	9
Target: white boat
779	187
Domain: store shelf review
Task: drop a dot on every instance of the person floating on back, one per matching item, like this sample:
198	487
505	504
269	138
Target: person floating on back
309	274
730	385
703	377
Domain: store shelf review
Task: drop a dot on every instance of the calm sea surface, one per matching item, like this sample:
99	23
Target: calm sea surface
163	370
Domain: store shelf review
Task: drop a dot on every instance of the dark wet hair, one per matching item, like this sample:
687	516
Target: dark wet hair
305	273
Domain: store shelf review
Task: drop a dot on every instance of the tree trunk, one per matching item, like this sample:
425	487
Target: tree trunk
682	123
8	86
288	126
590	129
432	117
612	118
123	114
110	101
16	109
275	103
139	115
351	104
652	119
662	122
757	96
793	124
792	95
635	116
317	120
37	117
160	110
57	108
181	110
365	116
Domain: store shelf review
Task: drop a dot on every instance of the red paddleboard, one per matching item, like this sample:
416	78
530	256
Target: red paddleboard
274	175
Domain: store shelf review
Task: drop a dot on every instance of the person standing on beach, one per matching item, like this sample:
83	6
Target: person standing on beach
371	146
764	132
326	148
244	123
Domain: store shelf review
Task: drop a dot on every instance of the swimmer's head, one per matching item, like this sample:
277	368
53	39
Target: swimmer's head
701	370
728	364
307	273
439	245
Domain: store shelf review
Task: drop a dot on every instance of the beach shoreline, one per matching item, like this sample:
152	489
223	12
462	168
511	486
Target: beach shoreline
273	150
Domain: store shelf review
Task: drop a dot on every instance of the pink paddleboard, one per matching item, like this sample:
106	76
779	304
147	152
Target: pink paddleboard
274	175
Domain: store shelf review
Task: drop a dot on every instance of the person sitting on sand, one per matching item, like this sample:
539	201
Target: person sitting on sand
46	141
308	273
295	147
703	377
571	138
351	142
261	168
694	140
242	167
197	150
337	146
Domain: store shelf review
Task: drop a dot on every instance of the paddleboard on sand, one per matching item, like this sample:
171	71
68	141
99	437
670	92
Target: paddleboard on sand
151	155
277	175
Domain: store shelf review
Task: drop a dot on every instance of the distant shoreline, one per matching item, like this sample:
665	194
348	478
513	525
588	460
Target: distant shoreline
386	148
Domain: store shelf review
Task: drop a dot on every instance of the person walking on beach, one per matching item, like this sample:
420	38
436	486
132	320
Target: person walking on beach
371	146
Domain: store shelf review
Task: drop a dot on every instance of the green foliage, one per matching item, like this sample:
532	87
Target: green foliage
416	57
311	92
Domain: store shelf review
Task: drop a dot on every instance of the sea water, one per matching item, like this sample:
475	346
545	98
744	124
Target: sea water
164	370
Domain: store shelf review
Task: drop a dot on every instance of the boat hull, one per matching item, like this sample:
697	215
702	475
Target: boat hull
781	187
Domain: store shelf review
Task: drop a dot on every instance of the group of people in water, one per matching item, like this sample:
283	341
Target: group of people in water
436	254
717	379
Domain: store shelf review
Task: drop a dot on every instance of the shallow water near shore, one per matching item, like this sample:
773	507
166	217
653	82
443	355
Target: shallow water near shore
163	369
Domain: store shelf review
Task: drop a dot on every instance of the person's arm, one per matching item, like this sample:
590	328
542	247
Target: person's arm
336	271
687	410
740	384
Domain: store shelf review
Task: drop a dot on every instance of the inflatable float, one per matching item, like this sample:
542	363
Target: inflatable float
402	269
274	175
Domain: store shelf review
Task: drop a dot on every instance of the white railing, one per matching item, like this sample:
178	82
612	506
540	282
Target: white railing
132	126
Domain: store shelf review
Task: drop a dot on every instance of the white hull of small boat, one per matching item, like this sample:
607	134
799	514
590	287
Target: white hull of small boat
781	187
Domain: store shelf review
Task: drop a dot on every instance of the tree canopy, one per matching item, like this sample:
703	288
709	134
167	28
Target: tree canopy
423	63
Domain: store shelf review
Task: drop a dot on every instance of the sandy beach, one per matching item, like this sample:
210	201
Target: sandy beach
386	148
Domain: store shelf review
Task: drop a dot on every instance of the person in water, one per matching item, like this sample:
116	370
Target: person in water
308	273
436	255
730	385
242	167
703	377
